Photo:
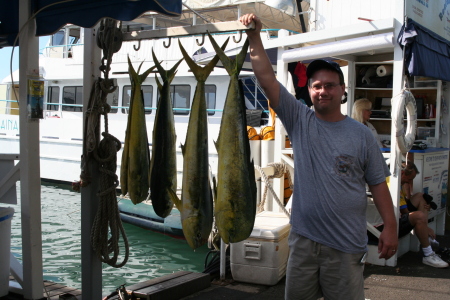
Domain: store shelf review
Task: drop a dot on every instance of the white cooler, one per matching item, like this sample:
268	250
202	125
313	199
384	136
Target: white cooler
262	257
6	214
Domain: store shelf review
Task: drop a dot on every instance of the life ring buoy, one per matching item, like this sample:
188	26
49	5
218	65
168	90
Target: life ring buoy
405	137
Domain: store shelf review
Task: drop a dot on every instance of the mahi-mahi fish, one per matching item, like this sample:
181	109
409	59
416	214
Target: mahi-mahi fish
196	203
235	204
134	175
163	166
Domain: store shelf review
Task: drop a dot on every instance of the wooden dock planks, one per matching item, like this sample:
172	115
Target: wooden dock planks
170	287
53	291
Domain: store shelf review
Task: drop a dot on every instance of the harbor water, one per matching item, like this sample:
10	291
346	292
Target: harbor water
152	254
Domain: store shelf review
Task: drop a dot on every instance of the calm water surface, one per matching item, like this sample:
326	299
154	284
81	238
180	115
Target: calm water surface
151	254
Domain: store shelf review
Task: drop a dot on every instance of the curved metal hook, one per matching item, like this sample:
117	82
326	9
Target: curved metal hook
167	46
203	40
138	47
240	37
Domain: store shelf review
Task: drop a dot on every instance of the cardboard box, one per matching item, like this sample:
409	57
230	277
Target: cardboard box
262	258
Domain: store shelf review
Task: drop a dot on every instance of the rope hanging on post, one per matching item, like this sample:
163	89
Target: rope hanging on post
279	170
107	229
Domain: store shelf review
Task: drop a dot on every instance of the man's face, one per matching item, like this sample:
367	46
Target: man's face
326	92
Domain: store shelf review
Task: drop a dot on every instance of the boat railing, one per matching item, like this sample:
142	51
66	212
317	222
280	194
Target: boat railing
7	109
59	51
57	110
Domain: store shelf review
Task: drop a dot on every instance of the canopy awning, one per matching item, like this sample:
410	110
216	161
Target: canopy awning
84	13
426	53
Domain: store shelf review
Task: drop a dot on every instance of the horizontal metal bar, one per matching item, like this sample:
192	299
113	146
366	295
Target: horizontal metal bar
186	30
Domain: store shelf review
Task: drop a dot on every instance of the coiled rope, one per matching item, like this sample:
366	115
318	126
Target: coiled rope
107	229
107	220
279	170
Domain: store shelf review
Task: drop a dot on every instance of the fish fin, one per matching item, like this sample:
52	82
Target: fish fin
183	148
174	198
216	143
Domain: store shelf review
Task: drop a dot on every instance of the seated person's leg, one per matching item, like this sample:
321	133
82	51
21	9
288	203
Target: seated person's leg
416	199
417	203
420	223
404	225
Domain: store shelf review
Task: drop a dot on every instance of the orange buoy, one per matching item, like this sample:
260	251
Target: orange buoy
268	133
252	133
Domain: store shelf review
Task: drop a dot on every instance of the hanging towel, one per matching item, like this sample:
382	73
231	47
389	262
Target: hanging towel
300	71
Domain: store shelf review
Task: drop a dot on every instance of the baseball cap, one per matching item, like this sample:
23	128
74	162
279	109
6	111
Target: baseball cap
320	64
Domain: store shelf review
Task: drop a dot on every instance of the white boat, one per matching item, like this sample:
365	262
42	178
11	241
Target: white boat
61	66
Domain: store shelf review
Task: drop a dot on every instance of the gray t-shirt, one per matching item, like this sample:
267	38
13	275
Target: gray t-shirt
333	162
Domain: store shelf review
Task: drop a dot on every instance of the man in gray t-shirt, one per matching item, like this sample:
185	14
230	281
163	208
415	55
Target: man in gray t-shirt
334	158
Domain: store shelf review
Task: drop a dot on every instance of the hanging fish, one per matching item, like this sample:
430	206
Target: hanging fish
163	166
134	175
235	206
196	204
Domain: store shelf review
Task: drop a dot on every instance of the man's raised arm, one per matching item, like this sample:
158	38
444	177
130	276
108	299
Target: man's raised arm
261	64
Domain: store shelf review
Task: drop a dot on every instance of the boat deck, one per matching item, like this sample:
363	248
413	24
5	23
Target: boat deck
410	279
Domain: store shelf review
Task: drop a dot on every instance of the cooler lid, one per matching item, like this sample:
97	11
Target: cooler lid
270	225
6	213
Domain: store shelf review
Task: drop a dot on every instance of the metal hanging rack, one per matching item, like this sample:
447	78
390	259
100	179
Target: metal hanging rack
180	31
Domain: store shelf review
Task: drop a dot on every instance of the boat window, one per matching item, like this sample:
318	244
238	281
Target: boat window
58	38
72	98
113	100
147	90
53	97
210	95
181	95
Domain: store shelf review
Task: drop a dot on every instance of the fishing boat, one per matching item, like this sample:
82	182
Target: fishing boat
61	67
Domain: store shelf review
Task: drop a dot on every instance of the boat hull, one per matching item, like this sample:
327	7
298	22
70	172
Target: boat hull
144	216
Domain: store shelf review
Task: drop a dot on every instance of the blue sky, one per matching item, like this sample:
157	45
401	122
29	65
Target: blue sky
5	57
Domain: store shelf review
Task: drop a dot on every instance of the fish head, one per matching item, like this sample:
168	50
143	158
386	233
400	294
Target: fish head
194	233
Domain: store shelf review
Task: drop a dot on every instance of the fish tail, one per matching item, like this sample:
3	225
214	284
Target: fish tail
201	73
132	72
166	75
134	76
233	66
240	58
158	83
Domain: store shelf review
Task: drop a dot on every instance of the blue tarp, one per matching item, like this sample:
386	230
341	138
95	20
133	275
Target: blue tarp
84	13
426	53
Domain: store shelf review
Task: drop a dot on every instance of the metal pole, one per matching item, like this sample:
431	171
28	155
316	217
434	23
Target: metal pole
223	260
30	181
91	266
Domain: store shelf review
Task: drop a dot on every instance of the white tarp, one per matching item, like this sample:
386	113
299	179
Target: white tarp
287	6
